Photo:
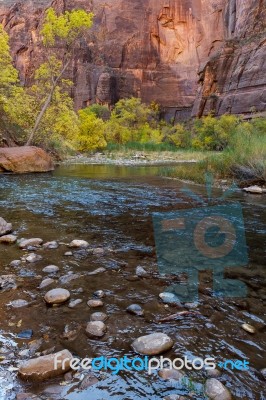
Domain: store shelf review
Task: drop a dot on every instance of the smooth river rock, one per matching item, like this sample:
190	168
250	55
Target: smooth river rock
8	239
46	282
99	316
32	258
253	189
95	303
50	269
155	343
216	390
45	367
35	242
135	309
96	329
51	245
5	227
79	244
57	296
174	374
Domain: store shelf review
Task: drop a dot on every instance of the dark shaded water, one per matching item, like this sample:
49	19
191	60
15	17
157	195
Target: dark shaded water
111	207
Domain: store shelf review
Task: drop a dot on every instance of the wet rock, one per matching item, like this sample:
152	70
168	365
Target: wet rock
213	373
51	245
18	303
25	243
15	263
46	366
57	296
50	269
135	309
71	332
34	346
32	258
216	390
96	329
79	244
68	278
26	396
263	372
155	343
169	298
7	282
5	227
25	159
68	254
74	303
141	272
95	303
98	251
170	374
88	381
8	239
99	293
97	271
174	397
248	328
253	189
46	282
26	334
99	316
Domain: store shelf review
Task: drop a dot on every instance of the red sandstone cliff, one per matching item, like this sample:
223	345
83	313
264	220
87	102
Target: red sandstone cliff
188	55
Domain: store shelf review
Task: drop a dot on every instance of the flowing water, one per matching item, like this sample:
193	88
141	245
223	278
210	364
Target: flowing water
111	207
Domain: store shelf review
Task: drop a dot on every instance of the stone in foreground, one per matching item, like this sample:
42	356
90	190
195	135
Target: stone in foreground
50	269
174	374
46	366
155	343
216	390
96	329
57	296
253	189
25	159
5	227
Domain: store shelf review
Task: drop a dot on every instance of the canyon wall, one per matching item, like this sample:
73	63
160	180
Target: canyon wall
190	56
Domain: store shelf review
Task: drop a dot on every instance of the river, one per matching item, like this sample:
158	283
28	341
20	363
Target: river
111	207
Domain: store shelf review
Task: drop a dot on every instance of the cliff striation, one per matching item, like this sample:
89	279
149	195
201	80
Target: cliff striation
190	56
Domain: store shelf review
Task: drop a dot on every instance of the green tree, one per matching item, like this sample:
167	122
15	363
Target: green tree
67	30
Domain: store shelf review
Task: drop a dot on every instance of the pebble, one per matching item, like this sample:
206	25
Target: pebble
57	296
79	243
153	344
171	374
169	298
5	227
46	282
135	309
68	278
18	303
141	272
174	397
95	303
51	245
99	316
216	390
44	367
248	328
98	251
88	381
50	269
253	189
8	239
263	372
32	258
68	253
97	271
26	334
99	293
7	282
96	329
15	263
74	303
213	373
24	243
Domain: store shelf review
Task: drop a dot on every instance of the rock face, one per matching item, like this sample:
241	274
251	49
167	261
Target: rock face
25	159
5	227
155	49
46	366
